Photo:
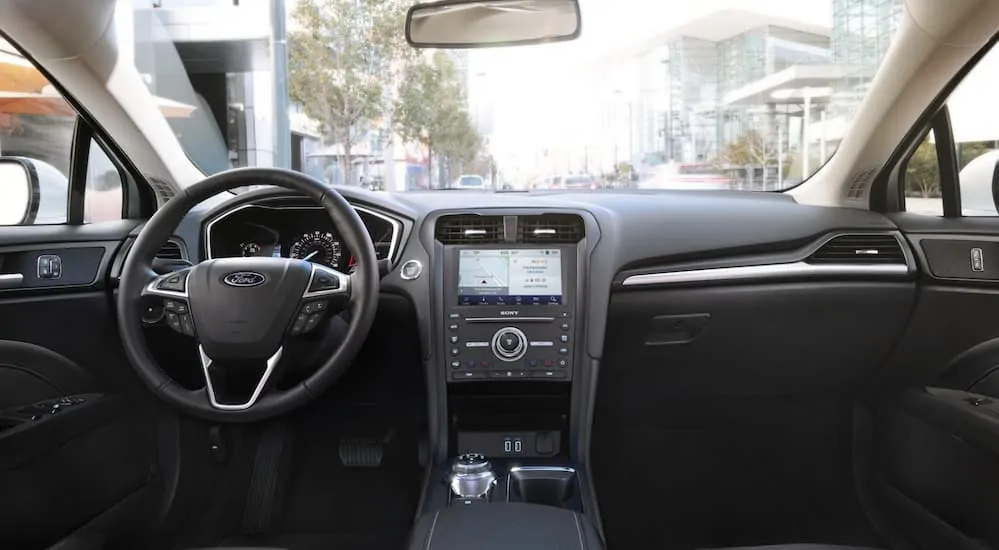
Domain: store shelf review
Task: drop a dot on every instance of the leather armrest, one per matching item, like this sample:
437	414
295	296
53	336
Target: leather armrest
505	526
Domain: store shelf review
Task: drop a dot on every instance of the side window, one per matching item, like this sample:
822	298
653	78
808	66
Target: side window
922	180
37	127
974	136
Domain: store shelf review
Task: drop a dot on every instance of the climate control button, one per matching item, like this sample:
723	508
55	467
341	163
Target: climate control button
509	344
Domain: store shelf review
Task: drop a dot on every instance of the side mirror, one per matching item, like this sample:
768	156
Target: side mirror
20	192
490	23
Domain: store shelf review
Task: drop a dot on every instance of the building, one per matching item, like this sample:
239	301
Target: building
216	56
733	71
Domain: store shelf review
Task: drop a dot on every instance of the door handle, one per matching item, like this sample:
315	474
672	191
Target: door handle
11	280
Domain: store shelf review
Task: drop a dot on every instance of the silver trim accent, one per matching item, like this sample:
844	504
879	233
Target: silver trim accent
563	469
151	290
766	271
509	356
206	362
794	268
11	280
342	277
476	344
509	319
544	231
542	344
470	232
402	270
393	246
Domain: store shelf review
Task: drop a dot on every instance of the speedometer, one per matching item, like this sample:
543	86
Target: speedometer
319	247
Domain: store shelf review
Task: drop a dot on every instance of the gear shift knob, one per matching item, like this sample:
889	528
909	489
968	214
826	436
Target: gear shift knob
471	476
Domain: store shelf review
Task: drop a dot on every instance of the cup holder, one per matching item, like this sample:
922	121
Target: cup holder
551	486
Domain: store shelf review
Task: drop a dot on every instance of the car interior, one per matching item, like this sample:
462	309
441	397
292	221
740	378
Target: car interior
811	369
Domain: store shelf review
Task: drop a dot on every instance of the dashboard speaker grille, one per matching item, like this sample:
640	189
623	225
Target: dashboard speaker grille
550	228
469	229
860	249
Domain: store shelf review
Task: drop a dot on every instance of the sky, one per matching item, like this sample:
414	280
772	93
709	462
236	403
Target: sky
564	93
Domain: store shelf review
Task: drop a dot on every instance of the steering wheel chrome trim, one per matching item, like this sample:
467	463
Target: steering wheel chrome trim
152	289
342	286
206	363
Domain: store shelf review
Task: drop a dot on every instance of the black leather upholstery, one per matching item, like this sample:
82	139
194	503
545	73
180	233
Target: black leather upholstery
505	526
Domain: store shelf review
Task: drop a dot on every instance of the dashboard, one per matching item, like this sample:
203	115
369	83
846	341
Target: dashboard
295	229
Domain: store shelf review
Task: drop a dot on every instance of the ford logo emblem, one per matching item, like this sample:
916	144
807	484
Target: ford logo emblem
244	279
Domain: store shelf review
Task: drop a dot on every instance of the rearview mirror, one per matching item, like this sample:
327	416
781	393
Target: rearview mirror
490	23
19	191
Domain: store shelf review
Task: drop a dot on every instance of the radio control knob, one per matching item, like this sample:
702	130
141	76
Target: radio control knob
509	344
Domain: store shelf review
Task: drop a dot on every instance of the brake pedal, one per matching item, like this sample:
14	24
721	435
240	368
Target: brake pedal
361	452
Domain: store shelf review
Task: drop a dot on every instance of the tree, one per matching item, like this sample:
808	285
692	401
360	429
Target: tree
340	59
430	110
749	149
922	173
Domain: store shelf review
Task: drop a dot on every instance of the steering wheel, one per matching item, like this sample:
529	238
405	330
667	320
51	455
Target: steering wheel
241	311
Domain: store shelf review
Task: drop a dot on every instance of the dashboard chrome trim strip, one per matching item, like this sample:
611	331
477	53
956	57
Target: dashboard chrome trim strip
767	271
393	246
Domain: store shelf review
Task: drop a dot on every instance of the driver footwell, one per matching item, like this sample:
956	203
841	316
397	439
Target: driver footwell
317	499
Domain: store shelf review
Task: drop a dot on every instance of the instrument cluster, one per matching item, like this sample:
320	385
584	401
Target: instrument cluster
286	231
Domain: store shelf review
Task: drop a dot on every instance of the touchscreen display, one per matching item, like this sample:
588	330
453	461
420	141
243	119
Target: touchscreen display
512	277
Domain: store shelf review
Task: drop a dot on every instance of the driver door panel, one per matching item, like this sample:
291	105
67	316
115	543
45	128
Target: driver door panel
76	444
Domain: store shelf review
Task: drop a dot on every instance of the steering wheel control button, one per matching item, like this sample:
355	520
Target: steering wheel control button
314	307
410	270
509	344
299	325
186	326
312	322
324	282
173	320
174	283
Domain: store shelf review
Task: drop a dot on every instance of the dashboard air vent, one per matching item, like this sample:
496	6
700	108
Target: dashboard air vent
550	228
171	251
469	229
860	249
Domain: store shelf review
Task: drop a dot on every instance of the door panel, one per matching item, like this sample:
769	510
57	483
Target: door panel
77	429
934	453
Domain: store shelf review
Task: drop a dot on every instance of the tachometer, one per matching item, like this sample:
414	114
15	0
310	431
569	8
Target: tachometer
319	247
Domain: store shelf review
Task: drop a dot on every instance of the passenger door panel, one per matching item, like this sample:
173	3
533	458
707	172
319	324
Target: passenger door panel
935	444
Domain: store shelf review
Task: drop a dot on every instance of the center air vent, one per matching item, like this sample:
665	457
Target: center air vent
550	228
171	251
469	229
860	249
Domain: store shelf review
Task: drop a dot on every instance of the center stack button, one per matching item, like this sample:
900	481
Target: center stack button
509	344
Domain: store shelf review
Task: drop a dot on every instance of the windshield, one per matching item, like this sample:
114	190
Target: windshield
654	94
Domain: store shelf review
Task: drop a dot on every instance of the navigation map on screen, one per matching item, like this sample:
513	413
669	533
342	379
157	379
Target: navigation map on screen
515	277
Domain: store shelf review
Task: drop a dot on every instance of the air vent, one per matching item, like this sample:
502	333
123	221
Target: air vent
171	251
550	228
860	249
469	229
163	190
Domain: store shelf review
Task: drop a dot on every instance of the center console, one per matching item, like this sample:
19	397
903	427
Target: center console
510	312
509	335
